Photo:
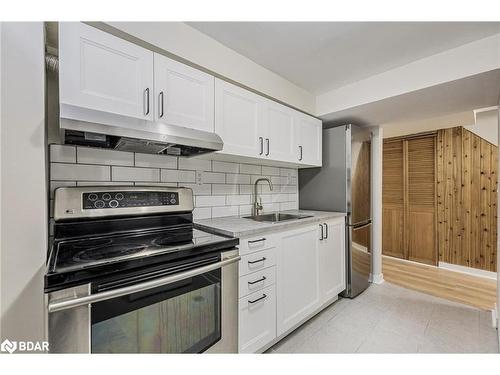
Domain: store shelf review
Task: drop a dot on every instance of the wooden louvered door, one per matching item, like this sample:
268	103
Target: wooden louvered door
393	199
421	200
409	199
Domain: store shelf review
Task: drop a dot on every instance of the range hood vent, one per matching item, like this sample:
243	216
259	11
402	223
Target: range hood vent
159	139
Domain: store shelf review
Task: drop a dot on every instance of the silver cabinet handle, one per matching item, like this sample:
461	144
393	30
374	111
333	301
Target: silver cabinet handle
267	142
322	235
258	299
257	261
259	240
263	278
146	106
160	105
93	298
326	231
261	140
300	157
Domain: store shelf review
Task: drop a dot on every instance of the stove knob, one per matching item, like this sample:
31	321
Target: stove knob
92	197
99	204
119	196
113	204
106	196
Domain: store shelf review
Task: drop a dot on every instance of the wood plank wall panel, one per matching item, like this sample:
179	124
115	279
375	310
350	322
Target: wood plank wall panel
393	199
466	199
421	211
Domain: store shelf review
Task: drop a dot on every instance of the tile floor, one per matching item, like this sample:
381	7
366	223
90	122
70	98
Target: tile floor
390	319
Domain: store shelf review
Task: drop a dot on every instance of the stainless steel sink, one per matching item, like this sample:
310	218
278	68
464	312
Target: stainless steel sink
276	217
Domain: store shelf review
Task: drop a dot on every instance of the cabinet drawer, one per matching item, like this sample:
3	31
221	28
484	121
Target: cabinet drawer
249	245
257	320
257	261
257	280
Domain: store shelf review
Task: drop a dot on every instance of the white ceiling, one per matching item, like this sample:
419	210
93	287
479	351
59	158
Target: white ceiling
320	56
477	91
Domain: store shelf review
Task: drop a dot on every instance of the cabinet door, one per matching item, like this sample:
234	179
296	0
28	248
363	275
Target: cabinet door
279	135
238	119
308	135
257	320
332	260
102	72
184	95
297	277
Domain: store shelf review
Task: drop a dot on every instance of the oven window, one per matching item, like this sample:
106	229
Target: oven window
184	317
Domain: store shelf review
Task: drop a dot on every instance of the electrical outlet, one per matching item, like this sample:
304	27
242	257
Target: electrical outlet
288	177
199	177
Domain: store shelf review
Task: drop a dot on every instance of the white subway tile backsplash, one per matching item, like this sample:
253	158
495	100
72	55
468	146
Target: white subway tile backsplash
226	190
232	178
219	189
63	153
195	164
225	211
79	172
202	213
289	172
155	161
222	166
204	189
236	200
175	175
209	200
135	174
270	171
213	178
246	209
250	169
289	206
87	155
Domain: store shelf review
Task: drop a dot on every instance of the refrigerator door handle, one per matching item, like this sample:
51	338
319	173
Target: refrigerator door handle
322	237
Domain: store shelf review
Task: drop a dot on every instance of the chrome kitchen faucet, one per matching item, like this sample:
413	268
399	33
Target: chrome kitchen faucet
257	203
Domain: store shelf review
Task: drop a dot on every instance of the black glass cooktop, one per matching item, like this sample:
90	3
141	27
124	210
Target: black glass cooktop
76	261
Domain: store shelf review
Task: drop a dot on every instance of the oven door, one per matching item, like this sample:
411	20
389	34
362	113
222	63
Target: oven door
192	311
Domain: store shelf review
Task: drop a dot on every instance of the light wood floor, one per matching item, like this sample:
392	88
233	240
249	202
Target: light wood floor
471	290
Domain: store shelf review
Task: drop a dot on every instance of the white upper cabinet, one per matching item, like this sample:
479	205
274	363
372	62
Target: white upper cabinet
184	96
238	119
101	72
332	260
308	139
278	131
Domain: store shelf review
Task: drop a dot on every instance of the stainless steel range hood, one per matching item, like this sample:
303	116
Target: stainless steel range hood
135	135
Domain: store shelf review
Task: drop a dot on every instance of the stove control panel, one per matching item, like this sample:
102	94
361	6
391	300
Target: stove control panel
122	199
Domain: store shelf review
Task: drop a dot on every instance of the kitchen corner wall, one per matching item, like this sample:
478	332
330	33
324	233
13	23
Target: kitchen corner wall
226	189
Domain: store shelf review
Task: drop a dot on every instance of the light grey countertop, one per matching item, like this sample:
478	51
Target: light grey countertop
236	226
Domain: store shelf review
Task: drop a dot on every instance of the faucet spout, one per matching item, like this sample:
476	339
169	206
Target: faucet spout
257	203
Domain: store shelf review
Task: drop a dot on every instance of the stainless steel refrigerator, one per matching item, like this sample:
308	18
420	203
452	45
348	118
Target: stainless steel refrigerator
343	184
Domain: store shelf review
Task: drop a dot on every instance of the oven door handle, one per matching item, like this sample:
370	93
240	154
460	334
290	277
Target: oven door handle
93	298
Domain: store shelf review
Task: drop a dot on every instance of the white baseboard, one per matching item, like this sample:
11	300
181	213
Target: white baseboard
468	270
376	279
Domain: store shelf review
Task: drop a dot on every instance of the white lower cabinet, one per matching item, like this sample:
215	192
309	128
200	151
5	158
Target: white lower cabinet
297	277
331	255
286	278
257	320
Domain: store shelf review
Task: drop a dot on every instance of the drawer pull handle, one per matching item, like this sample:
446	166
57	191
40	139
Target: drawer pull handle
257	261
259	240
258	299
257	281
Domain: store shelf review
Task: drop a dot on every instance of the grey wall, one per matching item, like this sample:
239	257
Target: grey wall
23	196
